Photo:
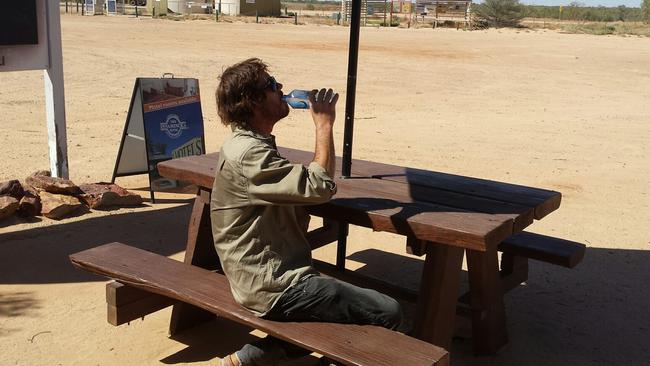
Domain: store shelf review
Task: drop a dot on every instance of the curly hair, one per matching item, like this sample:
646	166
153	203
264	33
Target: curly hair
238	91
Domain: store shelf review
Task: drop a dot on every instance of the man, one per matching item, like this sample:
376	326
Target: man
259	225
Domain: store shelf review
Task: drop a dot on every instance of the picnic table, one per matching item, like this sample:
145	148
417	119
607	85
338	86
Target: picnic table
442	216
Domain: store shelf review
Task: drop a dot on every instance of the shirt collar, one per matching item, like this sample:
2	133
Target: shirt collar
253	134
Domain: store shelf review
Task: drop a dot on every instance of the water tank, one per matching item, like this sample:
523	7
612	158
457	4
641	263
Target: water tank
177	6
228	7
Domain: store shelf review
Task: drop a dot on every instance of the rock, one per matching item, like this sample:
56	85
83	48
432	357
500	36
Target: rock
8	205
12	188
45	173
42	181
100	195
30	204
57	206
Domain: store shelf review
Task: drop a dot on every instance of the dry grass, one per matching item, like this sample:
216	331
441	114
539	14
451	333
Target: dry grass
595	28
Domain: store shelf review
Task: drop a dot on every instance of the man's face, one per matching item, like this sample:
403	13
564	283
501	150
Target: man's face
272	108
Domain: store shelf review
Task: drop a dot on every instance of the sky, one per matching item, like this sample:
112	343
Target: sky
608	3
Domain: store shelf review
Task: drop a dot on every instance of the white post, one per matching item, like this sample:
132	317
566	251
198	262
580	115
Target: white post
54	94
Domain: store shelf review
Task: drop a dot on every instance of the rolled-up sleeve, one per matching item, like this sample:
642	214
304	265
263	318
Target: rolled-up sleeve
273	179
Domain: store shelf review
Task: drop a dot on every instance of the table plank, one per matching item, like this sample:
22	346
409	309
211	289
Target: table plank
450	189
447	207
377	204
541	201
200	171
380	205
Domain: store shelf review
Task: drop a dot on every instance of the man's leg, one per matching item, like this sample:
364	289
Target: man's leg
321	299
329	300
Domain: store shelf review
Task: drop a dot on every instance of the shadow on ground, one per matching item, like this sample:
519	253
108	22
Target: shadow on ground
40	255
16	303
217	338
594	314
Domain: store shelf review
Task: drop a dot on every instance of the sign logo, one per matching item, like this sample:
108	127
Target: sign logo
173	126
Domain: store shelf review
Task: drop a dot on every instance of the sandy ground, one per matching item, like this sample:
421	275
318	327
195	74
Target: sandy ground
557	111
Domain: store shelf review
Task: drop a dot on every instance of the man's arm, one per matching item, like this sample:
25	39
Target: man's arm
323	112
274	180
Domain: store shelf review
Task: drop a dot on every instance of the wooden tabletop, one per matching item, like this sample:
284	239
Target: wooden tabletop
449	209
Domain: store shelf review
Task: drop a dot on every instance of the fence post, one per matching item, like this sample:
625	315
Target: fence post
136	11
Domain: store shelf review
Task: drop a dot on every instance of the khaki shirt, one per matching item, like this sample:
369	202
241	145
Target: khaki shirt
257	222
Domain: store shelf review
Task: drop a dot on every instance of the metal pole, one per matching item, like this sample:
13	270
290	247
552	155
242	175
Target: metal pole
353	58
385	7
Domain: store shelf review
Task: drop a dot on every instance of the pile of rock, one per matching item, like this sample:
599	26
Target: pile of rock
56	198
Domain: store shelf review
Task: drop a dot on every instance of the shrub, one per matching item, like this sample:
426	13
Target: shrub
501	13
645	11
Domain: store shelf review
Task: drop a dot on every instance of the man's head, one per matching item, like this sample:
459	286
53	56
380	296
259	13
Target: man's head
248	97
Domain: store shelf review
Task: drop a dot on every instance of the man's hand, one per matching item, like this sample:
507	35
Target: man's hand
323	107
323	112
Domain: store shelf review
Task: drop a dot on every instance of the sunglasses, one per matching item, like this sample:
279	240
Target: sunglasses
271	84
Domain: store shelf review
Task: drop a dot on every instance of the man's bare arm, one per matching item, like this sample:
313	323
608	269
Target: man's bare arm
323	112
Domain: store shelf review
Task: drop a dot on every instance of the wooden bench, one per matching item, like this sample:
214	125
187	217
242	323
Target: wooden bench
146	272
544	248
520	247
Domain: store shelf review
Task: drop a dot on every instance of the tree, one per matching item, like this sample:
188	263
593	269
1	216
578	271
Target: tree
622	13
645	11
573	11
502	12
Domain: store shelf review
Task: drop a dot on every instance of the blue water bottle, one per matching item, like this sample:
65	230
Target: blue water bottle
298	99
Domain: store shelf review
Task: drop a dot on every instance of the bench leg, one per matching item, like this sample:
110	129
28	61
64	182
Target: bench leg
199	252
514	271
486	299
341	246
439	288
126	303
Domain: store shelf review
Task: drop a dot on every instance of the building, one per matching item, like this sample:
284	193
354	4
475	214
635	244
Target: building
457	11
248	7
